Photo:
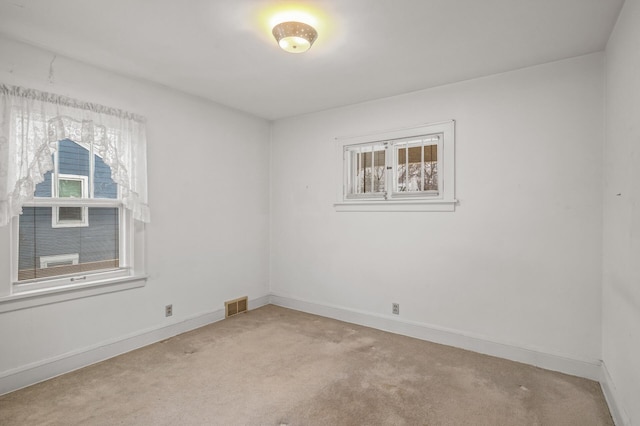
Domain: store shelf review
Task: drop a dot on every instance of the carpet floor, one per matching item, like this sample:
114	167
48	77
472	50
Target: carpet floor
275	366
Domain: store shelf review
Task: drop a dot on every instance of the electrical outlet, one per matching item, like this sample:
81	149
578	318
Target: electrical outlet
168	310
395	308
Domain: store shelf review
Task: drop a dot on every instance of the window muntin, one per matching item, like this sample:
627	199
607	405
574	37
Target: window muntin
405	170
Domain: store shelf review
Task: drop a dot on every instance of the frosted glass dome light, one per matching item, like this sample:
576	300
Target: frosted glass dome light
295	37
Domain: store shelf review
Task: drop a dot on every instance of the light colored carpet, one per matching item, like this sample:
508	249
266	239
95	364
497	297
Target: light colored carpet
274	366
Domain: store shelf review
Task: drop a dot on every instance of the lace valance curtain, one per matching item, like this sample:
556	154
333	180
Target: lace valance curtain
31	124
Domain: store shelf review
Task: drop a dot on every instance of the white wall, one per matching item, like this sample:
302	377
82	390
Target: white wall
519	262
621	283
208	239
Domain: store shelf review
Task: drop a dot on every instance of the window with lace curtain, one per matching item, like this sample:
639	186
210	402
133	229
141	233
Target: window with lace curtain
72	189
80	236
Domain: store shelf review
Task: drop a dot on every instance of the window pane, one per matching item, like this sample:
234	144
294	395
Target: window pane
368	169
409	162
43	189
417	166
45	251
431	168
73	159
70	214
69	188
104	186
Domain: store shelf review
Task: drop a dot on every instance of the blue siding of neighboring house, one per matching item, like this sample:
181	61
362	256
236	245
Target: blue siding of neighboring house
43	189
96	242
104	186
74	160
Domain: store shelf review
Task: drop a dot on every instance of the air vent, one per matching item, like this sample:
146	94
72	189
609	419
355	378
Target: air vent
236	306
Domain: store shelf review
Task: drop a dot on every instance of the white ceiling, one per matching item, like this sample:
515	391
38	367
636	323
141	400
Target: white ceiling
367	49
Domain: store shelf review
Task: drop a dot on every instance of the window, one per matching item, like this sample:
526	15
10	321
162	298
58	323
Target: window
410	169
69	186
74	193
63	231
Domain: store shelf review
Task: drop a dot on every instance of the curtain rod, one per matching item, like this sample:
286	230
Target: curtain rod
68	102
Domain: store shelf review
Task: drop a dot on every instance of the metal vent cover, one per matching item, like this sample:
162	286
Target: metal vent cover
236	306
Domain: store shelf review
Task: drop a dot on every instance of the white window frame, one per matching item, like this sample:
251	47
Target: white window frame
130	275
442	200
126	131
131	272
55	211
126	258
396	145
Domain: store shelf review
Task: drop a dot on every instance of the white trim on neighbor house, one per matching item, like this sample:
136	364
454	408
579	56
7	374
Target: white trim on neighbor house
59	259
55	210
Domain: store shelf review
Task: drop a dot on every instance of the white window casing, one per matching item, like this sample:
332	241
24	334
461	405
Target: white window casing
129	264
131	273
373	170
31	124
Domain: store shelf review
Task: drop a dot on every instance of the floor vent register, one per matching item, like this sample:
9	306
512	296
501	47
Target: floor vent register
236	306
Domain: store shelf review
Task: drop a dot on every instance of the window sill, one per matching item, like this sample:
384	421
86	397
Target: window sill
397	206
30	299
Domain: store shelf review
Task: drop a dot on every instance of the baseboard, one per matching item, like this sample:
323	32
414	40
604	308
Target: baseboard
259	302
619	415
40	371
37	372
590	369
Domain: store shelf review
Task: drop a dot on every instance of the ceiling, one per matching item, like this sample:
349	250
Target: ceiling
223	50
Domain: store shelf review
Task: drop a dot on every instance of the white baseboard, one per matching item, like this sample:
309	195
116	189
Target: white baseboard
590	369
259	302
37	372
620	417
40	371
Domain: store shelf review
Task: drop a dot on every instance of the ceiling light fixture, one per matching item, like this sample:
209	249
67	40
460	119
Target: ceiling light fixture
295	37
